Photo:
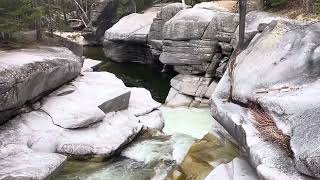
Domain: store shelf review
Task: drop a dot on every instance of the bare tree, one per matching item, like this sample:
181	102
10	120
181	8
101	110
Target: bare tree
242	23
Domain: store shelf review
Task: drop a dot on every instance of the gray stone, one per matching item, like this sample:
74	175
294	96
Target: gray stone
175	99
193	52
141	102
126	41
192	69
211	89
81	107
237	169
221	26
166	13
134	27
127	52
284	81
223	6
188	24
200	103
27	74
18	161
90	65
254	20
195	38
222	67
153	120
191	85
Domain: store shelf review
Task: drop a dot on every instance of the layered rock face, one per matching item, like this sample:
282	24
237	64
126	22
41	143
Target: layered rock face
155	34
275	109
197	43
28	74
126	41
91	117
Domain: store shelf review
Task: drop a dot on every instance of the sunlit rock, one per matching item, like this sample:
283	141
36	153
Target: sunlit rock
28	74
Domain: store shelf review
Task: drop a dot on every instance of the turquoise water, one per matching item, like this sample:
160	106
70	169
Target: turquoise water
191	121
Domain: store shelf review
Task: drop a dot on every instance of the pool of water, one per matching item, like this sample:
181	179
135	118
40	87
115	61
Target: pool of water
134	74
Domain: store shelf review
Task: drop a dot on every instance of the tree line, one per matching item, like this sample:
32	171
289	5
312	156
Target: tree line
40	15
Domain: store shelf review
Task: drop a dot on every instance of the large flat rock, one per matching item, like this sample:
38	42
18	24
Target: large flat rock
134	27
284	83
75	105
27	74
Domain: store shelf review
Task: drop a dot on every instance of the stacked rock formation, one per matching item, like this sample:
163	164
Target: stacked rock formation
155	34
197	43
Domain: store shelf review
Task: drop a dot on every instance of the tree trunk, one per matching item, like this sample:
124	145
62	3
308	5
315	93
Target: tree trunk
242	23
37	22
81	9
241	44
50	19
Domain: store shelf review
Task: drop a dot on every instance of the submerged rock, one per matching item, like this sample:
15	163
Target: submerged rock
151	156
203	156
283	85
28	74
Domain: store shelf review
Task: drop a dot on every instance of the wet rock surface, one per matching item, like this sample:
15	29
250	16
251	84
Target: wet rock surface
28	74
284	85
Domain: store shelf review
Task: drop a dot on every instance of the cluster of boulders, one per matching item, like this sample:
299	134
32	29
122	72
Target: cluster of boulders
88	117
197	44
195	41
